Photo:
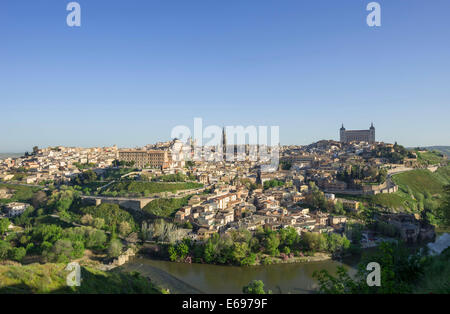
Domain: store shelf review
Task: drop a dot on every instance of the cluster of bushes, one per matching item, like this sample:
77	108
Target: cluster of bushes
393	156
21	193
285	165
56	244
165	207
114	174
386	229
242	248
272	184
85	178
54	238
178	177
51	278
83	166
401	271
109	217
368	174
7	251
52	242
323	242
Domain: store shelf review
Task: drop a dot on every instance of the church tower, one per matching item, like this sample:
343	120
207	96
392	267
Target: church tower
224	142
343	138
372	133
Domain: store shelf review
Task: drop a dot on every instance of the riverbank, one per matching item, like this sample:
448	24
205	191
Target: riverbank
206	278
160	278
317	257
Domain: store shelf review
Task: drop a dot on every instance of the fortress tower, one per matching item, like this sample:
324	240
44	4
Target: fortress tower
347	136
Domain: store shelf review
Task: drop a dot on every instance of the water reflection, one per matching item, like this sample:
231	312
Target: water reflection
280	278
442	242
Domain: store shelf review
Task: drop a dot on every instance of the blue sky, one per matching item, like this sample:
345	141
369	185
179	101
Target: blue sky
135	69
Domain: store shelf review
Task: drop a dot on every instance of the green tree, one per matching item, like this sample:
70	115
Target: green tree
5	248
61	251
124	228
98	223
209	252
173	255
255	287
62	200
444	210
271	243
115	248
399	271
339	208
182	250
4	224
18	253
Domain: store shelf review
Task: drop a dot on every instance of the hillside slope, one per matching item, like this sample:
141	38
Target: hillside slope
51	278
417	188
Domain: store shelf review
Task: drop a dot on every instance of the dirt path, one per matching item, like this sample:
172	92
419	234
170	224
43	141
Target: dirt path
163	279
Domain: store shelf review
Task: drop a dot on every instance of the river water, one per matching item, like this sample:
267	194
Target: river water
203	278
280	278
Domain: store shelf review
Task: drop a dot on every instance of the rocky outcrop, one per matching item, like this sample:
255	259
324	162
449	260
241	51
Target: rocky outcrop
410	228
121	259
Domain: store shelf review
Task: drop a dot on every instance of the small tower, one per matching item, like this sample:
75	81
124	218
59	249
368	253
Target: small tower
372	133
343	138
224	142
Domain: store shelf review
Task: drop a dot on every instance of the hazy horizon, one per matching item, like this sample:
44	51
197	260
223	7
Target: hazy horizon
136	69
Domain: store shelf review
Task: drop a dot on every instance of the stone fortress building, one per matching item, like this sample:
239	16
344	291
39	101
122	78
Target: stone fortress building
347	136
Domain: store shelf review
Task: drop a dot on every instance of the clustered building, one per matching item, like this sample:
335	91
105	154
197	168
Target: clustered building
146	158
236	194
347	136
56	164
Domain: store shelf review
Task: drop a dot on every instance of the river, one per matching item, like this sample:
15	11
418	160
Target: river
203	278
280	278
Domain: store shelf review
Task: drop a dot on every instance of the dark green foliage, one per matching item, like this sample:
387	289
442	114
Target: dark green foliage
138	188
178	177
111	213
362	173
400	271
285	165
165	207
255	287
241	247
51	278
396	156
81	166
86	177
273	183
21	193
4	224
443	211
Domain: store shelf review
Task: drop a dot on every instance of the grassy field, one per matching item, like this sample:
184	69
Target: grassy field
436	276
147	188
21	193
412	185
429	158
165	207
51	278
422	180
443	149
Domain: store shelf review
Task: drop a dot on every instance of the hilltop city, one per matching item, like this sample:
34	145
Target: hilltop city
329	198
